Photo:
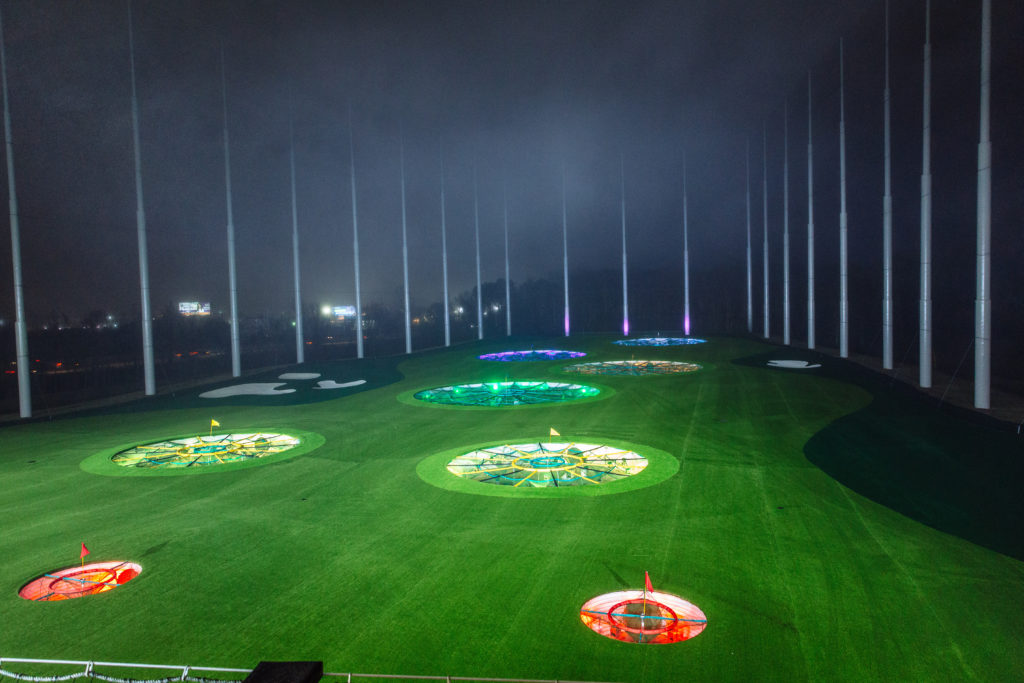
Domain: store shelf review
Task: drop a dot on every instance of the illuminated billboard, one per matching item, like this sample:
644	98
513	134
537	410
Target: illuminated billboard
194	308
344	311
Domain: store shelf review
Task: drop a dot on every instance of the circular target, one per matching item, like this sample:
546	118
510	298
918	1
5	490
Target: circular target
633	367
504	394
648	617
660	341
541	354
77	582
200	451
543	465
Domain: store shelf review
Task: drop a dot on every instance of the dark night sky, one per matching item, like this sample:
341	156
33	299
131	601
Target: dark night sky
513	88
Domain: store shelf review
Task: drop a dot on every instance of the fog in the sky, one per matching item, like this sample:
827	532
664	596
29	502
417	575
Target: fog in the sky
506	93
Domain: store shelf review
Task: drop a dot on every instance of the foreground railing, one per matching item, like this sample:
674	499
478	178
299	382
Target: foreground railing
89	671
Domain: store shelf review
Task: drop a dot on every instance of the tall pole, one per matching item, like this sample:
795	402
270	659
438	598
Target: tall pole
785	226
750	272
887	222
764	213
236	367
983	304
686	258
355	236
300	352
140	220
476	231
405	249
925	313
625	291
810	223
565	255
444	259
508	281
844	280
20	332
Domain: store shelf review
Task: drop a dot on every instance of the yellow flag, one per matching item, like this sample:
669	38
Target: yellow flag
214	423
554	433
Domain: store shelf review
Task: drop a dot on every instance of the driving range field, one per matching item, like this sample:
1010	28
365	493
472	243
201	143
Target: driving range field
829	523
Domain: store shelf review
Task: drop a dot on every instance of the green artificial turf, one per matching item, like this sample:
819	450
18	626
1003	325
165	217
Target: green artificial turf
344	553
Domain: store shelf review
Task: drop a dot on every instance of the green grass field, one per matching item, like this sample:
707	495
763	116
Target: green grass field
830	525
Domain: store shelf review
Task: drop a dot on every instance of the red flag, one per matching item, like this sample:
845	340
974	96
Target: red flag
647	582
85	551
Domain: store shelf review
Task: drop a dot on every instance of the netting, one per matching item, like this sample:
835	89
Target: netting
91	673
649	617
77	582
659	341
540	465
200	451
492	394
633	367
541	354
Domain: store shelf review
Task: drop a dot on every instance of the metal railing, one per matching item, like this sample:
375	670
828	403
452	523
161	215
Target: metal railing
89	671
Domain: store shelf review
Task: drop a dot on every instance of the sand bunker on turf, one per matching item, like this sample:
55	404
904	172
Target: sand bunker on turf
299	375
250	389
793	364
331	384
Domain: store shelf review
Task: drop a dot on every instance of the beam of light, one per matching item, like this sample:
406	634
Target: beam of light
565	253
300	353
236	362
686	257
508	281
625	291
405	251
983	304
444	256
355	236
810	222
750	272
764	215
887	218
476	231
140	221
925	314
20	331
844	305
785	226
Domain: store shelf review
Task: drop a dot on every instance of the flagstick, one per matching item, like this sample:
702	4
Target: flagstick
644	612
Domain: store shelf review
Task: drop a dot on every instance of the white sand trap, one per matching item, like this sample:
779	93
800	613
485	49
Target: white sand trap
299	375
252	389
794	364
331	384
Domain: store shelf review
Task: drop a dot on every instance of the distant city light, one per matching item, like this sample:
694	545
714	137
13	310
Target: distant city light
192	308
338	312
